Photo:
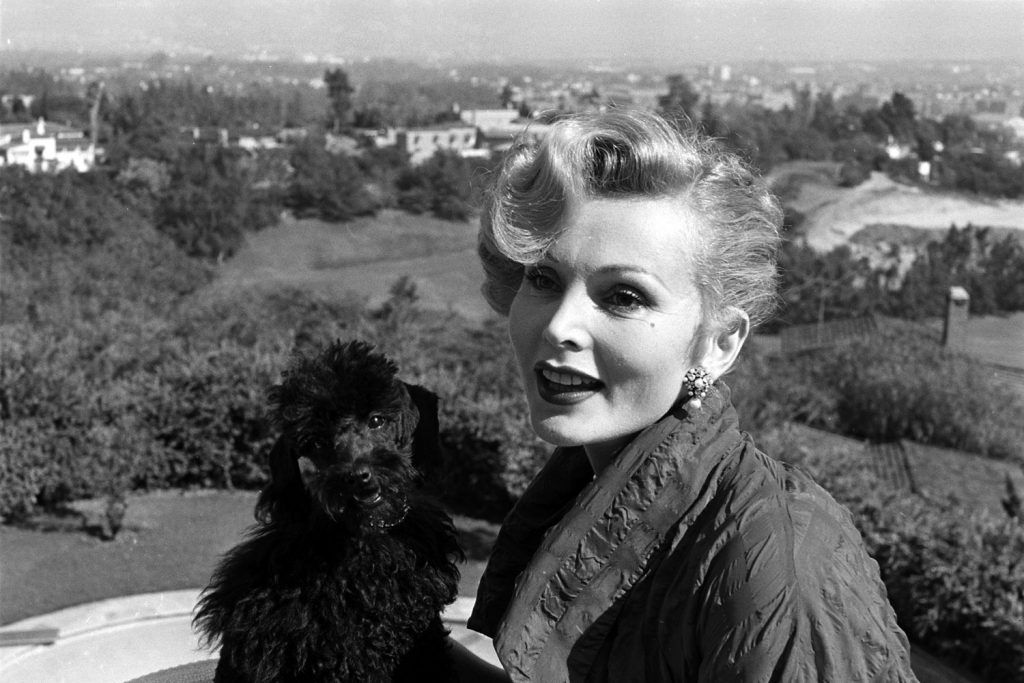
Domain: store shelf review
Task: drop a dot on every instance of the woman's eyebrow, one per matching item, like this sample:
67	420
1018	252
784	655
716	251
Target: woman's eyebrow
619	268
612	268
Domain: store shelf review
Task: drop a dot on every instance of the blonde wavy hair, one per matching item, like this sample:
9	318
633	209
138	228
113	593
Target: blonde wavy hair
630	154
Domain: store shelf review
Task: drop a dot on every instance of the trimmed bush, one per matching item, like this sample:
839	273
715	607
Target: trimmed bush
956	579
900	385
897	384
954	575
127	402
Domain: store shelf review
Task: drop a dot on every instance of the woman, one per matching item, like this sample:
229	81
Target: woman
657	544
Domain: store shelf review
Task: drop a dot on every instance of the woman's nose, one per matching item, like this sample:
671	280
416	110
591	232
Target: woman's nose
567	327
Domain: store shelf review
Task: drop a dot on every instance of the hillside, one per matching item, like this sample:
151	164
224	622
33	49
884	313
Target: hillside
364	257
832	215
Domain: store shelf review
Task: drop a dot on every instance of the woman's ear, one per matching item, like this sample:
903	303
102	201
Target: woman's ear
722	346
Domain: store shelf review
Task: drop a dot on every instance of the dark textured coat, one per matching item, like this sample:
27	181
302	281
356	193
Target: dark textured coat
692	557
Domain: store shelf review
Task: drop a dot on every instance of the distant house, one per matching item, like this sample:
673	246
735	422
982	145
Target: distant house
380	137
494	132
205	135
45	147
500	138
423	143
898	150
1016	125
255	143
486	118
998	121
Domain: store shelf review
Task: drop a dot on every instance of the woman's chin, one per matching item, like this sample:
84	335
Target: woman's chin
558	430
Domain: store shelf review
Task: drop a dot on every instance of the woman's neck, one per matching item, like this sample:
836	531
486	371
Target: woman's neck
600	454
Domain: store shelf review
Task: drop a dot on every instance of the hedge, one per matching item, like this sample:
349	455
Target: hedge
954	575
130	403
898	384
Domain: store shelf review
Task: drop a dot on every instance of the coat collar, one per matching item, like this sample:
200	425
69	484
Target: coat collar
561	563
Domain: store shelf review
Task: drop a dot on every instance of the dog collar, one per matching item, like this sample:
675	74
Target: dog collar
382	522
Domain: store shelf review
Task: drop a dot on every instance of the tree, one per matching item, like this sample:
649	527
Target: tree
679	105
209	203
441	185
958	130
900	117
991	270
710	122
339	94
507	96
328	186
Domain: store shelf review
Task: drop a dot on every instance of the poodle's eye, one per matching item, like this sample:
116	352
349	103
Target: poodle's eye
376	421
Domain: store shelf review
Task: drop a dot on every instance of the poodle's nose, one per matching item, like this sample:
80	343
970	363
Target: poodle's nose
363	474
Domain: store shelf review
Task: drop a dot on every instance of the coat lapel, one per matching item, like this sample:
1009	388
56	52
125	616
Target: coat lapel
601	545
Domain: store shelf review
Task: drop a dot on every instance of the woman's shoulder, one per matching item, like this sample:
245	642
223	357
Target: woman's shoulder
758	478
759	500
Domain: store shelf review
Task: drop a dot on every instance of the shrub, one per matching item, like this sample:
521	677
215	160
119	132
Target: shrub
103	407
445	185
210	203
22	468
326	185
74	247
900	385
72	426
129	402
956	579
852	173
208	416
953	575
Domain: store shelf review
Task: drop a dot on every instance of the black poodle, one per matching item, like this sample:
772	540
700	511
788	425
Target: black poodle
345	576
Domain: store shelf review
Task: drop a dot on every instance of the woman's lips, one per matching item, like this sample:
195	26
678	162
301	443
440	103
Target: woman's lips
564	387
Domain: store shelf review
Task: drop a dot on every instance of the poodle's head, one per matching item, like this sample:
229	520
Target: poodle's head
352	439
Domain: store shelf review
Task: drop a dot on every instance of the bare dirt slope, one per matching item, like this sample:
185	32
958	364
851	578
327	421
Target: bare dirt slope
834	214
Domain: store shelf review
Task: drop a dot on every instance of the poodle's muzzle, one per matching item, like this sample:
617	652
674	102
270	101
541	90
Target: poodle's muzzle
356	475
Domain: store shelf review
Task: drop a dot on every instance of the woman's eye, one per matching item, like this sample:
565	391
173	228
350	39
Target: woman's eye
376	421
626	298
541	279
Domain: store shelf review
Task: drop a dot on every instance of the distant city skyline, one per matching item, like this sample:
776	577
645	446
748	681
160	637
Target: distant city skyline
615	31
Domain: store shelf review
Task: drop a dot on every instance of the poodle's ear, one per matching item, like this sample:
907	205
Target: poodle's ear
426	440
284	496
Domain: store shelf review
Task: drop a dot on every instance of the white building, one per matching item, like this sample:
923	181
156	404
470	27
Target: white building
422	143
45	147
488	118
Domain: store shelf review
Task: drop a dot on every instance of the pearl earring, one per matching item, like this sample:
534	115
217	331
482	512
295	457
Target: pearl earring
696	381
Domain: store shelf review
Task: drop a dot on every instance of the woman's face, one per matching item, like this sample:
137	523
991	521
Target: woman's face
604	326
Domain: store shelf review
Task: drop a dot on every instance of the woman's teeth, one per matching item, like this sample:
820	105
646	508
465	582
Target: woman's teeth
564	378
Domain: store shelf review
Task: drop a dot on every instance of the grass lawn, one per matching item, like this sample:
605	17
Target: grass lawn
170	541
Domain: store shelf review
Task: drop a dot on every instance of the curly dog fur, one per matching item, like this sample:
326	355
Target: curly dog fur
346	573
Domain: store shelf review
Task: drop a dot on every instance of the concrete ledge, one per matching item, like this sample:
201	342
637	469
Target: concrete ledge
125	638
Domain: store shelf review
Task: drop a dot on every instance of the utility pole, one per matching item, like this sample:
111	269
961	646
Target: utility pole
95	95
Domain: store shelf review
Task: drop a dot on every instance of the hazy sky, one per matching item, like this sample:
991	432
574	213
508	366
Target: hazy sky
618	30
